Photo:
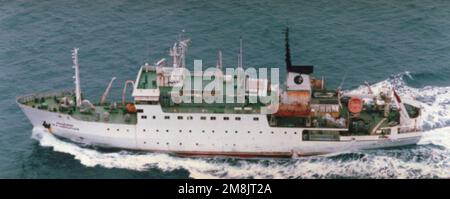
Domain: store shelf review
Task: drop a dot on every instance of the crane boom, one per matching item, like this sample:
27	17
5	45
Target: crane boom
106	93
124	91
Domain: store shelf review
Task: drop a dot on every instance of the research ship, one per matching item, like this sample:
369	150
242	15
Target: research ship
308	118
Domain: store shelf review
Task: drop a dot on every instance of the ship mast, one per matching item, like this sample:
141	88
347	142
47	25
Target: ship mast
77	76
219	60
178	53
240	54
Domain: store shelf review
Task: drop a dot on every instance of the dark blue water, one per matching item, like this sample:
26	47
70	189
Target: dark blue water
406	43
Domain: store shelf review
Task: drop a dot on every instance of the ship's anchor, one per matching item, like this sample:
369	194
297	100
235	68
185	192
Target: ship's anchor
48	126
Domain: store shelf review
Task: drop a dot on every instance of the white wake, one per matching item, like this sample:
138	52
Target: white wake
431	159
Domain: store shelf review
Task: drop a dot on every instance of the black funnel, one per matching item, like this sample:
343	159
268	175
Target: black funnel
289	66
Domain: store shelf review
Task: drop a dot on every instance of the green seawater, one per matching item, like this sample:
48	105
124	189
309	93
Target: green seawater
405	43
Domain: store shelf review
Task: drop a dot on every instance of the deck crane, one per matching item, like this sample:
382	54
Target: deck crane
106	93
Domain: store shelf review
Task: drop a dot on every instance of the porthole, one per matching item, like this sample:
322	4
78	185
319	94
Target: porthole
248	132
190	131
255	118
235	132
181	143
285	132
213	118
143	117
271	132
237	118
167	130
295	133
180	117
145	142
166	117
167	143
143	130
212	131
157	130
203	118
196	144
260	132
154	117
226	118
157	142
226	131
203	131
117	129
107	129
180	130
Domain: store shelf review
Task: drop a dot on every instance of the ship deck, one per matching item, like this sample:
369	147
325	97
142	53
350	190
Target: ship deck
49	102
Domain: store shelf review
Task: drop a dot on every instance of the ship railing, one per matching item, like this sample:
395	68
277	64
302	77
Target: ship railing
31	97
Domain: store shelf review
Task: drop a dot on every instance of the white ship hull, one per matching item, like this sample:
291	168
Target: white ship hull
244	137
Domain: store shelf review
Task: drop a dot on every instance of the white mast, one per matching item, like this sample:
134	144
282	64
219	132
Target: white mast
219	60
178	53
240	54
183	48
77	76
174	54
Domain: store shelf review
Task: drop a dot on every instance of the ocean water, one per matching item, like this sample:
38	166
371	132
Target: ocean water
402	43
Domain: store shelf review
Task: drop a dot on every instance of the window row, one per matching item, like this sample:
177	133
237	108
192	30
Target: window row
201	118
213	131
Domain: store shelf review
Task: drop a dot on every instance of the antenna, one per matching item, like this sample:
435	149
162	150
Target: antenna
77	76
288	50
240	53
174	54
219	60
343	80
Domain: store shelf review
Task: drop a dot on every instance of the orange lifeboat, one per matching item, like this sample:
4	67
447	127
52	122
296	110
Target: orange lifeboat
355	105
131	108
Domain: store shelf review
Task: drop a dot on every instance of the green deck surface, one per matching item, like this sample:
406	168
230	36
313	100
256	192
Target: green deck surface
147	80
115	116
